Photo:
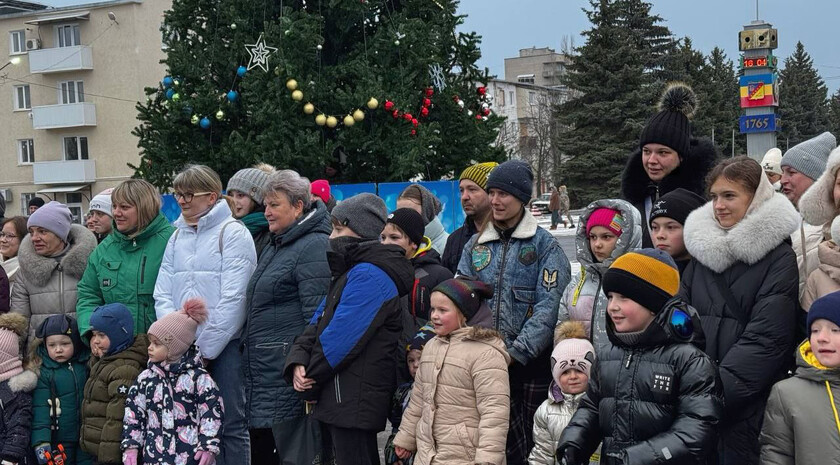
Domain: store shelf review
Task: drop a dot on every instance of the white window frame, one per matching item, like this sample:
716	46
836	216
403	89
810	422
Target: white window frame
75	206
25	197
82	156
27	97
26	147
14	36
75	38
71	92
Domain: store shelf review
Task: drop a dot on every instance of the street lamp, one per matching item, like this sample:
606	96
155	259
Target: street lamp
12	61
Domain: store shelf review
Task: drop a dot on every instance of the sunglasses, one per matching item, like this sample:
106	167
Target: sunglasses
681	324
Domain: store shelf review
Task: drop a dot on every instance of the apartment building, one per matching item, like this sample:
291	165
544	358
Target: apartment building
68	91
538	66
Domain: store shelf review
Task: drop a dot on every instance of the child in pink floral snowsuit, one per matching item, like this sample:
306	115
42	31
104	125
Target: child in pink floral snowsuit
174	412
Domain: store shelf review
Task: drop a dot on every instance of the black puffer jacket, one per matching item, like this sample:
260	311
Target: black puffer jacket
455	244
751	344
16	416
350	345
291	279
657	401
636	186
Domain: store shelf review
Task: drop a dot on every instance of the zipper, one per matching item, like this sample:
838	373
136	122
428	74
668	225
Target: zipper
499	283
143	270
61	288
337	389
595	308
75	386
629	359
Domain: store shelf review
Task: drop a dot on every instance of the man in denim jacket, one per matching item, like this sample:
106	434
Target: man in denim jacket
529	271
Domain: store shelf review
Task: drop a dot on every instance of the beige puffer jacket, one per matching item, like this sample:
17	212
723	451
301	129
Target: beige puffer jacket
826	278
460	402
47	285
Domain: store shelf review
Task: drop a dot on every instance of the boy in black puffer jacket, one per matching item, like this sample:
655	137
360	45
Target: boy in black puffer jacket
654	396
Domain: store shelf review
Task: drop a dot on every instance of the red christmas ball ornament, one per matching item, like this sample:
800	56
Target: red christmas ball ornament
407	117
456	99
413	132
427	102
389	105
478	117
481	90
415	122
396	114
424	112
486	112
429	92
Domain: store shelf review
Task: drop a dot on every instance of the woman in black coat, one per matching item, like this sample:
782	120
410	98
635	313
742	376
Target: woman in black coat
743	281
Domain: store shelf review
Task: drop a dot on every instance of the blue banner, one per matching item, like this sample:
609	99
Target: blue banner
752	124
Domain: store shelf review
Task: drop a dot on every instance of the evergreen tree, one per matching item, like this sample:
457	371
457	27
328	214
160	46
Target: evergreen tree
612	76
802	99
684	64
718	106
834	113
340	55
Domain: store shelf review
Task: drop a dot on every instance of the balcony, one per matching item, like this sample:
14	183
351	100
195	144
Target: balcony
69	115
60	59
64	172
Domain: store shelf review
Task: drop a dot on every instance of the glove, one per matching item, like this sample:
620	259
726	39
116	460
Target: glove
205	458
130	457
569	456
41	452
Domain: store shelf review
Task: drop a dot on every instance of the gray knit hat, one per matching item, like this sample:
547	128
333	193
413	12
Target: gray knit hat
250	181
809	157
514	177
364	213
54	217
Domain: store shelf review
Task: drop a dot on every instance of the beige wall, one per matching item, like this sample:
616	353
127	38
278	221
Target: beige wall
126	58
535	61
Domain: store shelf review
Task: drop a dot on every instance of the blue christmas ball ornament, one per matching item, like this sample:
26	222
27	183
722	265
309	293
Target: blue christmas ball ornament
232	95
170	93
168	81
204	123
241	71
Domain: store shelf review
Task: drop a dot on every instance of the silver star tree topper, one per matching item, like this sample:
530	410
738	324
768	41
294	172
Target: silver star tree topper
259	54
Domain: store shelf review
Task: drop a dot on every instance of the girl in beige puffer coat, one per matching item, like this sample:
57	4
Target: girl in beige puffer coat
826	278
460	404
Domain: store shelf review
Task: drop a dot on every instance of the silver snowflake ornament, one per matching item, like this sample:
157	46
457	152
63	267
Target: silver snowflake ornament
437	77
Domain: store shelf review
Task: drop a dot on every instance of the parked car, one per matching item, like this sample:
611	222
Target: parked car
539	206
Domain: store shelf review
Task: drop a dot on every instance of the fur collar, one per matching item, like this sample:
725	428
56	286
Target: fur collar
526	229
691	174
817	203
38	270
762	230
23	382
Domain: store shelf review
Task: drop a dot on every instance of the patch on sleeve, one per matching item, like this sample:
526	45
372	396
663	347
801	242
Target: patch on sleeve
549	279
481	257
123	389
662	383
528	255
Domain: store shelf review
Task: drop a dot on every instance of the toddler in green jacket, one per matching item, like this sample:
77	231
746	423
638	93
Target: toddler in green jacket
60	359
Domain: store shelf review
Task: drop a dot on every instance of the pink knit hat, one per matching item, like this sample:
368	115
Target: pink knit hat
321	188
573	350
177	330
606	217
12	329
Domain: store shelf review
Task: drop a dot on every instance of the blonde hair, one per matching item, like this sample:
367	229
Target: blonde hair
198	178
143	196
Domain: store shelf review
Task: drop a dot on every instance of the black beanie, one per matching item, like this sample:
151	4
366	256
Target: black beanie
676	205
410	222
670	126
36	202
61	325
466	293
515	178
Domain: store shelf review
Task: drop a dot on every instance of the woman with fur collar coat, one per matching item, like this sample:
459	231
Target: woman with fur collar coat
742	254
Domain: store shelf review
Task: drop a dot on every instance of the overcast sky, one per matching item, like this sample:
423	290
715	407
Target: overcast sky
509	25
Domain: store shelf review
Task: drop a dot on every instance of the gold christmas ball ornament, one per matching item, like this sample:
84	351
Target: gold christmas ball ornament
321	120
373	104
332	122
194	119
297	96
349	121
291	84
220	115
358	115
309	108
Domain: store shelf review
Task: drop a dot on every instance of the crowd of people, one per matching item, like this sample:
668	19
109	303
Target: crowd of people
271	324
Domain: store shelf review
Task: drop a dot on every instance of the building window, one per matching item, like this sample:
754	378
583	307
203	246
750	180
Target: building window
26	151
67	35
73	200
75	148
17	42
22	100
532	98
24	202
71	92
510	97
500	98
525	78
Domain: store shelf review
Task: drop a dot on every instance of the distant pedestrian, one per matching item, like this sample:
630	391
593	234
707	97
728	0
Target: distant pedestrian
554	207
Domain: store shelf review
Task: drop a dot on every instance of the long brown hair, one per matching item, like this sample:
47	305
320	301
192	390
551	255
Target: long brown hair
743	170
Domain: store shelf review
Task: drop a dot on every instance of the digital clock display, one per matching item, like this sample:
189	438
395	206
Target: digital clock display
755	62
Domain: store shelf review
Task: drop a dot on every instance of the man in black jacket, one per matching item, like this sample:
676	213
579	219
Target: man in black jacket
345	360
476	204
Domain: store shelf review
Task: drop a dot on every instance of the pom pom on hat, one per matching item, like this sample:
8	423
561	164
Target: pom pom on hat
177	330
670	126
573	350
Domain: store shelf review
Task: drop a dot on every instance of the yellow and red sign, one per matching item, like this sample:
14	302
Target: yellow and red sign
758	91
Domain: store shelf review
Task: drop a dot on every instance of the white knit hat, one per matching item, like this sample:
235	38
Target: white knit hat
101	202
772	161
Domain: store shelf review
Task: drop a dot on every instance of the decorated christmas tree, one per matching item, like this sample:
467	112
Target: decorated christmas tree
350	90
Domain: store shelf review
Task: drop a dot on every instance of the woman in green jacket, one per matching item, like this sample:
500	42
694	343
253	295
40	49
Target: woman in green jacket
124	267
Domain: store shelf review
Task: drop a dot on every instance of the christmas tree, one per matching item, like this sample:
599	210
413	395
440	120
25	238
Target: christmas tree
803	99
351	90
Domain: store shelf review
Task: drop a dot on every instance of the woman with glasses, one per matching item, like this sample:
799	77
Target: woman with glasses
744	283
11	234
124	268
211	256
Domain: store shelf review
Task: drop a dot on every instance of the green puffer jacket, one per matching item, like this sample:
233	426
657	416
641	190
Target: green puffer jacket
104	404
124	270
64	382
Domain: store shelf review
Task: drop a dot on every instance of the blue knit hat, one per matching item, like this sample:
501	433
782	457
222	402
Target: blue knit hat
514	177
116	322
826	307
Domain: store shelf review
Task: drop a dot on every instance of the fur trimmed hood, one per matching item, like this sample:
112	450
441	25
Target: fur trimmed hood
631	235
763	229
691	174
23	382
38	270
526	229
817	204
